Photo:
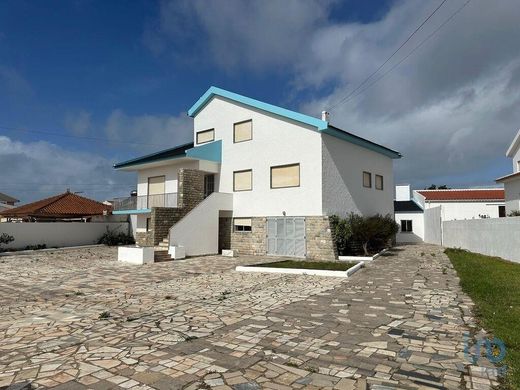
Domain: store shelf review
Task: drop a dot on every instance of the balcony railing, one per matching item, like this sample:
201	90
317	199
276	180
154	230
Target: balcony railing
145	202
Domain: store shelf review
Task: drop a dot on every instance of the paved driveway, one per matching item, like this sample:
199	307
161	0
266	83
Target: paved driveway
78	319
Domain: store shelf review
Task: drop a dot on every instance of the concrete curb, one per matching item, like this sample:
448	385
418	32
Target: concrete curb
298	271
361	258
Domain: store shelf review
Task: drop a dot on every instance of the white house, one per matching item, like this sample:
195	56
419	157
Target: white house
258	179
454	204
512	182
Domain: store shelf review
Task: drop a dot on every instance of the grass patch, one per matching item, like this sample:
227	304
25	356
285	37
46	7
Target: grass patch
301	264
494	286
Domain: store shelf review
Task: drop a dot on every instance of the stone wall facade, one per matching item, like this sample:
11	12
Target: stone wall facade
320	244
190	194
319	241
244	243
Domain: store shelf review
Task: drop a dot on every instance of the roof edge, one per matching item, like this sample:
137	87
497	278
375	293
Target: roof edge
296	116
136	160
514	145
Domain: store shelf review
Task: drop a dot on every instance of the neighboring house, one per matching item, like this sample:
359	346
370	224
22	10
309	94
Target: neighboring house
455	204
7	200
258	179
466	203
63	207
512	182
409	214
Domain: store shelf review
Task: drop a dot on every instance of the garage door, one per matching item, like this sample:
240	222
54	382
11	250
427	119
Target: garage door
286	236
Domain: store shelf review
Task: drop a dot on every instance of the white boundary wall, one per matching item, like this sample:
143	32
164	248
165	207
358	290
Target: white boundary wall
432	225
58	234
489	236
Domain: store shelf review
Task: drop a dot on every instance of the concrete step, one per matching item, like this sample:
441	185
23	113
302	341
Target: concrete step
161	255
163	245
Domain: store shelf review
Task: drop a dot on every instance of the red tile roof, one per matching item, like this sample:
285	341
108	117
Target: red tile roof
490	194
63	205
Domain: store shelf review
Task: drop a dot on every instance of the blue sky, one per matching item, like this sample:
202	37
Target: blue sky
128	71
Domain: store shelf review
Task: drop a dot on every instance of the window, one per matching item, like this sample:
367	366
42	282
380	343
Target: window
367	180
209	185
284	176
243	131
148	220
379	182
242	224
406	226
243	180
205	136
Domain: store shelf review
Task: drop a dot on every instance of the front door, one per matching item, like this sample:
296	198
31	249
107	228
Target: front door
155	191
209	185
286	236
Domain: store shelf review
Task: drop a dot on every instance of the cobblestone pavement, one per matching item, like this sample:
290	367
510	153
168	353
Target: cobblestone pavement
77	319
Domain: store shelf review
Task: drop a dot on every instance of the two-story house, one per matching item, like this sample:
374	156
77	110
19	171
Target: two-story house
258	179
512	181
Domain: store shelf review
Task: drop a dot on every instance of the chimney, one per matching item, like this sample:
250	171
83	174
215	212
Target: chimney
325	116
402	192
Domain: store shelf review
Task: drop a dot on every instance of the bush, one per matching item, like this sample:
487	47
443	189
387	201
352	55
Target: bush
35	247
6	238
112	238
514	213
358	234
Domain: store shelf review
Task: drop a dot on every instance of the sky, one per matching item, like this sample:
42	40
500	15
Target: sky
112	80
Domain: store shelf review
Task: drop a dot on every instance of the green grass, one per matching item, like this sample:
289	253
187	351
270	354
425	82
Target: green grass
494	286
301	264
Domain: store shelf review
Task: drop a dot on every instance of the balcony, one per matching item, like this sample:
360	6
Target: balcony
144	203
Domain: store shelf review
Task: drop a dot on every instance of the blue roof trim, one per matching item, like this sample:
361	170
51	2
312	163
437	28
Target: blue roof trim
296	116
211	151
123	212
356	140
166	154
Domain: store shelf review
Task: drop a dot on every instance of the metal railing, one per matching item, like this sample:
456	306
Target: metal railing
145	202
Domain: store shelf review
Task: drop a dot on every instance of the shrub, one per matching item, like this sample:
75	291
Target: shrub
514	213
112	238
5	239
35	247
371	234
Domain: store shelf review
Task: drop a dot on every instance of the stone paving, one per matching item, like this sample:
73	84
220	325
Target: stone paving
77	319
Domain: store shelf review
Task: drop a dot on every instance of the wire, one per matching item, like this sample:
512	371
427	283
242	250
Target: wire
391	56
9	128
413	51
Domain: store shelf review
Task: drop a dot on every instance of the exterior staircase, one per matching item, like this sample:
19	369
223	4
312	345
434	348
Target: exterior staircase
161	252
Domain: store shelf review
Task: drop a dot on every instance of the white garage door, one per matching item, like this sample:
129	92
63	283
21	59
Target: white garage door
286	236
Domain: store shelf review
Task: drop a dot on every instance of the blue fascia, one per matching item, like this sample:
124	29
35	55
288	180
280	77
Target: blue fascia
362	142
295	116
211	151
123	212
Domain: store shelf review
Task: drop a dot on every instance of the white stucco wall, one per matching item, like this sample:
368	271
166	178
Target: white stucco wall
197	232
276	141
512	189
493	237
433	225
466	210
402	192
417	235
343	191
58	234
170	172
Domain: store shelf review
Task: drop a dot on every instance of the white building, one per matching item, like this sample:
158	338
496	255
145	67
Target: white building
512	182
277	175
455	204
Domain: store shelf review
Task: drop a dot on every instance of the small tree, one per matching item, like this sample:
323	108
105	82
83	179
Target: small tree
6	238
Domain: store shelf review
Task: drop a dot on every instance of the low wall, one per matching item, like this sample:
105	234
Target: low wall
432	226
58	234
490	236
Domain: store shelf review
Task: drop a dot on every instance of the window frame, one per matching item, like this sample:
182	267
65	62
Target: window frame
244	230
370	178
406	221
241	171
239	123
382	182
204	131
285	166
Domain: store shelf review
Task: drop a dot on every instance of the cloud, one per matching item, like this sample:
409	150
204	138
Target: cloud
78	123
42	169
451	108
149	132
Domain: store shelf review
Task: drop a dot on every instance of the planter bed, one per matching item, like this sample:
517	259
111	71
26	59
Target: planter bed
301	267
